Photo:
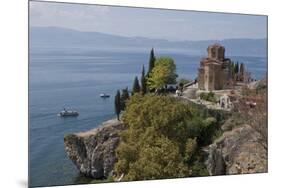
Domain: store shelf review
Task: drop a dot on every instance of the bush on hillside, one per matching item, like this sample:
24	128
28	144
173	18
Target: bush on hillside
210	96
162	139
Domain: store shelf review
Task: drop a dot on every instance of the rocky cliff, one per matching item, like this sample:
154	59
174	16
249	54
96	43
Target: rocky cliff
238	151
93	152
242	148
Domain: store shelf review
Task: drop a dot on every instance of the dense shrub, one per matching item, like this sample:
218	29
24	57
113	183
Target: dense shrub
210	96
162	139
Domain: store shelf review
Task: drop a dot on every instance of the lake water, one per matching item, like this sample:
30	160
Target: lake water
74	78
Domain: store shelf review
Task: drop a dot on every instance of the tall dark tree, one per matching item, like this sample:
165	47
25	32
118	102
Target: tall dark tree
124	97
241	71
233	67
236	67
117	103
143	81
151	62
136	86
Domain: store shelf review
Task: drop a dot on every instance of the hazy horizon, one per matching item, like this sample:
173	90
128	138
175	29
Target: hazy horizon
172	25
57	27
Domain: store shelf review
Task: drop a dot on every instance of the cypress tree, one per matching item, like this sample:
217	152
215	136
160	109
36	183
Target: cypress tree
125	93
117	103
242	71
151	61
136	86
143	81
237	68
233	67
236	71
124	97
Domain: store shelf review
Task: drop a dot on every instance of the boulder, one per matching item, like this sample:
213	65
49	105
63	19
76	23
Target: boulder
239	151
93	152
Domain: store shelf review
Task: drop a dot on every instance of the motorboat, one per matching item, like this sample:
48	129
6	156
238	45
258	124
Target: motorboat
104	95
67	113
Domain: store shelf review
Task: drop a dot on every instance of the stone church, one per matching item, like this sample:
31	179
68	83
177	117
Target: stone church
214	71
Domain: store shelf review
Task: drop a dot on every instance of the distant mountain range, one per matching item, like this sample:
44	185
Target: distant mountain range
62	37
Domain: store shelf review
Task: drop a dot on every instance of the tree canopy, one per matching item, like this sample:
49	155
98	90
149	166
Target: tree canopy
136	86
123	98
161	139
163	73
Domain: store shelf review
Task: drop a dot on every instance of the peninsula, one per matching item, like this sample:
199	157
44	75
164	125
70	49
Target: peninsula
215	124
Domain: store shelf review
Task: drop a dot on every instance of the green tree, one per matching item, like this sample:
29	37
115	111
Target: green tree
143	81
163	73
159	77
158	161
117	104
232	67
161	139
236	68
124	97
210	96
136	86
241	71
151	61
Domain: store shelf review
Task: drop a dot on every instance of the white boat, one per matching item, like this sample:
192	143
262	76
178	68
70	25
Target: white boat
103	95
66	113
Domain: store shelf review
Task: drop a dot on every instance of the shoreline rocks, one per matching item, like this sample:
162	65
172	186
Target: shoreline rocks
93	151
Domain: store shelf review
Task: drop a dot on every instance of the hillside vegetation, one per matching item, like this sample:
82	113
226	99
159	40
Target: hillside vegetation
163	139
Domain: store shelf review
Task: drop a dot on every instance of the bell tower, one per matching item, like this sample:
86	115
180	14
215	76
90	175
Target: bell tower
216	52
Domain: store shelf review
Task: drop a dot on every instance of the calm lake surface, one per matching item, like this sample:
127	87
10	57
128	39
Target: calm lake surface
74	78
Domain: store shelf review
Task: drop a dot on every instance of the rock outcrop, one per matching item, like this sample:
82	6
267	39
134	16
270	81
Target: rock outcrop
238	151
93	152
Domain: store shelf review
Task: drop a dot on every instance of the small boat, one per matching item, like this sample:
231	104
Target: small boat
103	95
67	113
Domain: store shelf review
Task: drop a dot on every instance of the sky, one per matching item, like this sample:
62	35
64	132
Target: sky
150	23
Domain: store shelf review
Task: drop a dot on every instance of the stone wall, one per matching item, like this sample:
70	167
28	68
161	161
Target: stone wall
201	73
